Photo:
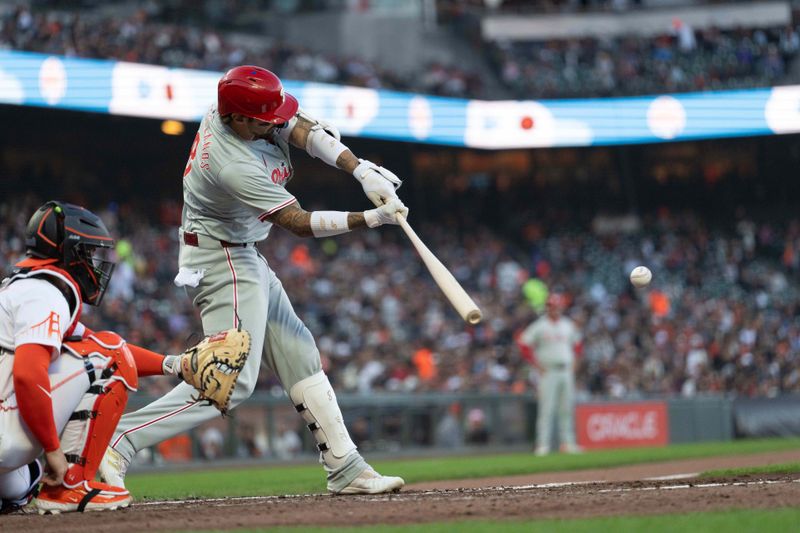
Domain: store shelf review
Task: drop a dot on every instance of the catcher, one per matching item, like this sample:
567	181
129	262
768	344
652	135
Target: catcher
63	388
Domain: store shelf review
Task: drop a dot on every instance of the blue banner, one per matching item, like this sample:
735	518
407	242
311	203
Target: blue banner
132	89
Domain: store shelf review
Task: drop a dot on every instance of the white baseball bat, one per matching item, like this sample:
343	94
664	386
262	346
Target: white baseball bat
462	302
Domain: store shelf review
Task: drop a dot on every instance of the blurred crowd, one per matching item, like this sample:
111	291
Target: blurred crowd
722	315
143	37
680	61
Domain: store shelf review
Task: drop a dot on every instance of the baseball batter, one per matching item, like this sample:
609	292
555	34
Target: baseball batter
234	191
552	338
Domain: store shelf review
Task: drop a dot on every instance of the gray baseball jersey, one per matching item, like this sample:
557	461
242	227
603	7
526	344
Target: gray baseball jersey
553	341
230	186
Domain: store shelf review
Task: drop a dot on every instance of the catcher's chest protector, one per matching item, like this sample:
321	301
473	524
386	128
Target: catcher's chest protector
112	373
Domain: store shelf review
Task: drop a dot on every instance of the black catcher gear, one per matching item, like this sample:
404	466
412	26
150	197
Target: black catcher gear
79	242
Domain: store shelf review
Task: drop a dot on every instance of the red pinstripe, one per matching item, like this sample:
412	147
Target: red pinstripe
278	207
235	288
55	386
137	428
68	378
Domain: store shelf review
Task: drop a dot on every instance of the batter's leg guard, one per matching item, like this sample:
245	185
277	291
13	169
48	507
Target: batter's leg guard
19	487
316	402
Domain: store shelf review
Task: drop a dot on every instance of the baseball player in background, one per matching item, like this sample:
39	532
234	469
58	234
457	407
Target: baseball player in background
234	191
63	387
551	341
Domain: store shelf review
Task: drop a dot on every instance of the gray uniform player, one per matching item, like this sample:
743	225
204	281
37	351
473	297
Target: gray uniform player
552	338
233	189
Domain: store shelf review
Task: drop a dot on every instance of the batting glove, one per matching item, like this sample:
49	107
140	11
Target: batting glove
379	183
385	214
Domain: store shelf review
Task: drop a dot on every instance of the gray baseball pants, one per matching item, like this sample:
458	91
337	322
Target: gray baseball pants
237	283
556	401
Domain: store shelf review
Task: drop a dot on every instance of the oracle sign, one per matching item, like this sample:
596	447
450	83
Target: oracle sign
622	425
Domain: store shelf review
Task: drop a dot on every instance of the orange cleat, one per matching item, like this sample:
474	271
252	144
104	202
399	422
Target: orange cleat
88	496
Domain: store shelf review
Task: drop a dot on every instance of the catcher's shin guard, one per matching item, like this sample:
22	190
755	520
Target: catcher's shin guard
316	402
91	426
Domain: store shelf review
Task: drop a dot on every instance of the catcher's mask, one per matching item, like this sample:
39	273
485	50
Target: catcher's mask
79	242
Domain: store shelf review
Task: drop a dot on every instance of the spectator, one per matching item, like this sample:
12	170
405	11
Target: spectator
448	432
477	432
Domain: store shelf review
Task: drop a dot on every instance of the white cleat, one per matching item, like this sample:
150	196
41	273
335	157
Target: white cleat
371	482
541	451
572	449
113	467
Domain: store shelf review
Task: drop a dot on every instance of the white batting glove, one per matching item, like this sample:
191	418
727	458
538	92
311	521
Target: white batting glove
379	183
385	213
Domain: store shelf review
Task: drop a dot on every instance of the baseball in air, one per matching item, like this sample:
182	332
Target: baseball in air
641	276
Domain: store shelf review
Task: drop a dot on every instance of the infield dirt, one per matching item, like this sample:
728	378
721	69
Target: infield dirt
628	490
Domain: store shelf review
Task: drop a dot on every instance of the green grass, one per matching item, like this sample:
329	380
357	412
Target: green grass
305	479
740	521
785	468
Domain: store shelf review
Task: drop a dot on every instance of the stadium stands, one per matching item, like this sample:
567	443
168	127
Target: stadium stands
679	61
710	59
138	37
720	316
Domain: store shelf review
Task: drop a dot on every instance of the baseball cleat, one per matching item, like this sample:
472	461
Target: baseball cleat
89	496
113	467
371	482
572	449
541	451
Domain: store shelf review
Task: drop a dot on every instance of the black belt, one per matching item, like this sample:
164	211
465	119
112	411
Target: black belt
191	239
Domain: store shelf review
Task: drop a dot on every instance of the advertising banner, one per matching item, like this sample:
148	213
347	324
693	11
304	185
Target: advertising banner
120	88
621	425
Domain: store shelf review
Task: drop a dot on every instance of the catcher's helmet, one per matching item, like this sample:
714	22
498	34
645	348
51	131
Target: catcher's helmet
74	239
255	92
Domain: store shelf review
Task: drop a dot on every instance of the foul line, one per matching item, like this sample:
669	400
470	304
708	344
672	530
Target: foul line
460	494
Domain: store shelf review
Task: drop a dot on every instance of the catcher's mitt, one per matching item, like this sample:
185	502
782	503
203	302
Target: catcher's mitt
213	366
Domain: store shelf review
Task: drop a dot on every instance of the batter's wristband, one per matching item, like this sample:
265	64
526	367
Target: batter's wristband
327	223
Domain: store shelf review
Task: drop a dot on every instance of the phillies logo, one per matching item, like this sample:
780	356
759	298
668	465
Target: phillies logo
280	175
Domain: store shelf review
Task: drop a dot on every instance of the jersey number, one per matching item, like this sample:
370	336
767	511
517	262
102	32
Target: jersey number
192	153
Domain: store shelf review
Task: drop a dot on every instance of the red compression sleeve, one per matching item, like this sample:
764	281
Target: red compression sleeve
147	363
32	387
526	352
578	348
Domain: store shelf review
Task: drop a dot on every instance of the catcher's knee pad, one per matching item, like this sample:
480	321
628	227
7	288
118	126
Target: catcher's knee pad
112	373
316	402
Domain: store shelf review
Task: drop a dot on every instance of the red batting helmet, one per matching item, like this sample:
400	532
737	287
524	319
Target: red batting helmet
255	92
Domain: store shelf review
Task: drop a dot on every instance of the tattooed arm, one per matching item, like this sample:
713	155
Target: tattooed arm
380	184
297	220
